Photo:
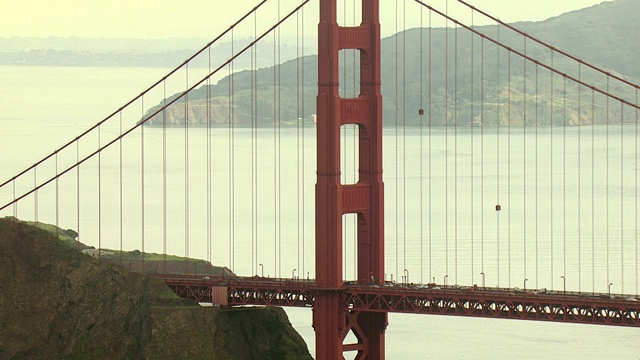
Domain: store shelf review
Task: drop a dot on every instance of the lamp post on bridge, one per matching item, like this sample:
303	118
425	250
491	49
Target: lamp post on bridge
406	276
610	288
482	273
564	284
524	286
444	280
261	270
293	274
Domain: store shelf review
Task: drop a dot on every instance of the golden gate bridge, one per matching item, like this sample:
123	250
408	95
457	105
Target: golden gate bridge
518	218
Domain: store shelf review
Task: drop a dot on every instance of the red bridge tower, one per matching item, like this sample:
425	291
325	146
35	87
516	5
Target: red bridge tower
333	199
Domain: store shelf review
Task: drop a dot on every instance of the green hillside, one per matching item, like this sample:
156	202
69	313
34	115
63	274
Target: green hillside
457	77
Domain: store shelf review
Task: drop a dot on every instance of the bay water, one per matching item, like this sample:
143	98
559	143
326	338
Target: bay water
565	194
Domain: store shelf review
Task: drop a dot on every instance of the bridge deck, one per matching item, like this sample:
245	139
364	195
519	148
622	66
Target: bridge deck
530	304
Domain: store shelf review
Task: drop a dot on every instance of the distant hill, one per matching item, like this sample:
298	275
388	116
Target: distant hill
605	34
466	82
77	51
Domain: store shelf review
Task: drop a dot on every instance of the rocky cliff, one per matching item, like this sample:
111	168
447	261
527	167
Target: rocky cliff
59	303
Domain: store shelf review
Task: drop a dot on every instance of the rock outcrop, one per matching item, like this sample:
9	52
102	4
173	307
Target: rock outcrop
59	303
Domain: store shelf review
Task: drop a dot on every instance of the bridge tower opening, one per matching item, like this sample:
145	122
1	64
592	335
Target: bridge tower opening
364	198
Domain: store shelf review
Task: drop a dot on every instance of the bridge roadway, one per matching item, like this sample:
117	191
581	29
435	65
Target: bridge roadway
504	303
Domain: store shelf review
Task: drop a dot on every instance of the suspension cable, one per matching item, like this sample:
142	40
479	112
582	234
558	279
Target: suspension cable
148	117
552	48
119	110
514	51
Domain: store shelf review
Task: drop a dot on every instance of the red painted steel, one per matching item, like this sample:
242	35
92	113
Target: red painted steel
327	316
333	199
355	300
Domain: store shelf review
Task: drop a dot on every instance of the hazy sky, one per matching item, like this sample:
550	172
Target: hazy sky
204	18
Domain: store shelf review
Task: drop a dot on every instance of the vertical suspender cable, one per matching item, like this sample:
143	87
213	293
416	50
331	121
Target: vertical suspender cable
15	203
455	152
404	139
396	138
298	140
636	200
275	156
551	172
164	177
120	193
255	139
279	151
303	146
78	190
579	209
498	112
141	186
607	186
396	135
254	193
472	149
232	158
524	161
208	167
564	175
622	222
35	195
446	140
482	123
186	171
593	219
100	194
509	119
537	170
57	197
429	103
233	151
421	113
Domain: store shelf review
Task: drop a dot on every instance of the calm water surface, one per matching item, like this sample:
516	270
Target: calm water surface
41	108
